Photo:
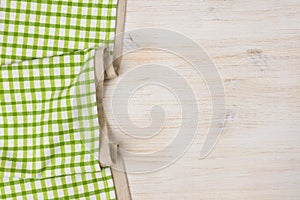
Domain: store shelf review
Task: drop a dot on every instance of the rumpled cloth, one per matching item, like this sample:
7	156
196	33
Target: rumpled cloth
49	120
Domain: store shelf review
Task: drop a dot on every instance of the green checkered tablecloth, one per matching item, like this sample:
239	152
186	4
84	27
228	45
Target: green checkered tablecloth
40	28
49	132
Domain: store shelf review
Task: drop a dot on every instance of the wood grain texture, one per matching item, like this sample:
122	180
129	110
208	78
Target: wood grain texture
256	47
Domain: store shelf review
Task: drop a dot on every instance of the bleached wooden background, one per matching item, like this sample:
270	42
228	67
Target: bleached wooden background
256	47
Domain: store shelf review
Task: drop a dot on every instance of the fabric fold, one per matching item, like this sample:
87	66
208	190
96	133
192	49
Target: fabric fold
50	122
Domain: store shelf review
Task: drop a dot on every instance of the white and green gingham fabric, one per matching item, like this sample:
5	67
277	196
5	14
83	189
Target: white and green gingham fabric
39	28
49	132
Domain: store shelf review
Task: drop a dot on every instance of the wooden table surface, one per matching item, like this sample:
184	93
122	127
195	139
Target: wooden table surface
255	46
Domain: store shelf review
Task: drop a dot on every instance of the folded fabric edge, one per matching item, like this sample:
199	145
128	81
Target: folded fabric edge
118	40
102	57
109	154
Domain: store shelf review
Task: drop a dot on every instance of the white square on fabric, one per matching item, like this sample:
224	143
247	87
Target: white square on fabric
81	45
91	187
53	8
37	84
73	21
50	194
47	83
102	35
4	74
72	32
10	119
44	7
36	72
8	50
20	40
30	141
56	71
33	6
20	120
112	194
103	23
20	155
30	153
10	142
51	42
68	180
46	71
18	188
28	106
113	11
64	8
12	16
39	53
38	96
58	172
70	191
61	43
48	182
19	107
92	35
84	11
95	11
58	181
29	165
46	140
30	41
30	128
54	104
6	85
15	73
63	21
45	129
28	186
52	19
31	29
74	9
8	107
7	189
19	51
102	196
38	164
13	4
60	193
40	43
64	115
93	23
82	34
18	97
22	17
56	139
104	11
42	21
40	195
71	44
21	28
81	189
28	97
32	17
83	22
66	127
51	31
23	4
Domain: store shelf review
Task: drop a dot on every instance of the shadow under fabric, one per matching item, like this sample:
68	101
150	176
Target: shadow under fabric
54	57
